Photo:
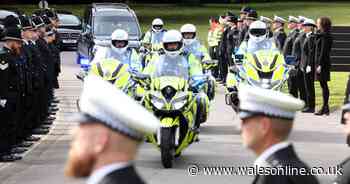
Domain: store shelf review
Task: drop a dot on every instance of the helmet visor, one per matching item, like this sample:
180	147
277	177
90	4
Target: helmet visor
173	46
258	32
188	35
119	43
158	27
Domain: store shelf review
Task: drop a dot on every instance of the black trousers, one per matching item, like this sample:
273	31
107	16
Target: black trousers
8	126
325	92
309	79
293	84
300	83
214	55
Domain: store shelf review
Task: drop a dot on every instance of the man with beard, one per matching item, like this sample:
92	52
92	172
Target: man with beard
112	126
10	94
267	120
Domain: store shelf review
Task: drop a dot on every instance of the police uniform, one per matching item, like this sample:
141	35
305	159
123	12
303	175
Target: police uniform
10	97
288	51
268	22
277	105
232	45
296	52
107	107
279	34
307	66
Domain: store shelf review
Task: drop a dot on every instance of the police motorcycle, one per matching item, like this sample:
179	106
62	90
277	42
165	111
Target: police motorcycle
172	94
152	41
260	64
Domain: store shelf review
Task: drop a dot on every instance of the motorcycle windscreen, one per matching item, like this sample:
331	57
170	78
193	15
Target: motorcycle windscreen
172	67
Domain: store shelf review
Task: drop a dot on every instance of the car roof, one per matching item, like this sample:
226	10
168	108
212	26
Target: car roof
104	6
5	13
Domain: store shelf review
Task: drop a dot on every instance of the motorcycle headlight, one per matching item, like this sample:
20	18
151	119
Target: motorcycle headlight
180	101
157	102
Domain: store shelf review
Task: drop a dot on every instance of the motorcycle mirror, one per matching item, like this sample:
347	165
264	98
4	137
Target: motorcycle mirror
290	60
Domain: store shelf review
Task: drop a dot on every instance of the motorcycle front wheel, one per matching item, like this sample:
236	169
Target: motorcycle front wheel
167	146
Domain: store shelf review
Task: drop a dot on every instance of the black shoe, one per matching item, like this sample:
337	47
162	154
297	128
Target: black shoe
47	122
9	158
308	110
56	101
18	150
40	131
51	113
32	139
45	127
50	118
53	109
24	145
324	110
53	105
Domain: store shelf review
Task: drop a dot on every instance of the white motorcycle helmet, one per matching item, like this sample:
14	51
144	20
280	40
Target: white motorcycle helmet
172	43
258	31
157	25
120	41
188	30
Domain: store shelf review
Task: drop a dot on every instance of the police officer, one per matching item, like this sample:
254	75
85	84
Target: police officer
268	23
297	52
287	51
46	63
55	46
243	14
106	142
267	121
153	38
10	94
232	40
30	116
307	64
278	32
224	57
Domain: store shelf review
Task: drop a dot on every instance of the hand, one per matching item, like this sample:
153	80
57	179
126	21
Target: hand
318	69
3	103
308	69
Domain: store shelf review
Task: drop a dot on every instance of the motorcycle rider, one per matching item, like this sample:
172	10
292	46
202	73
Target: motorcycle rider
120	51
258	38
153	38
173	49
193	46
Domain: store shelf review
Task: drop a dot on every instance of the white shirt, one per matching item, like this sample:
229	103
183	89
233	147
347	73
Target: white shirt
261	161
98	175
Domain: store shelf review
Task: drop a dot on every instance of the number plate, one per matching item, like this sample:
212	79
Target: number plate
69	41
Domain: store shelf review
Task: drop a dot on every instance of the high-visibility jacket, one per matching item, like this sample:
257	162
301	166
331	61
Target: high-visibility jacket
113	71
